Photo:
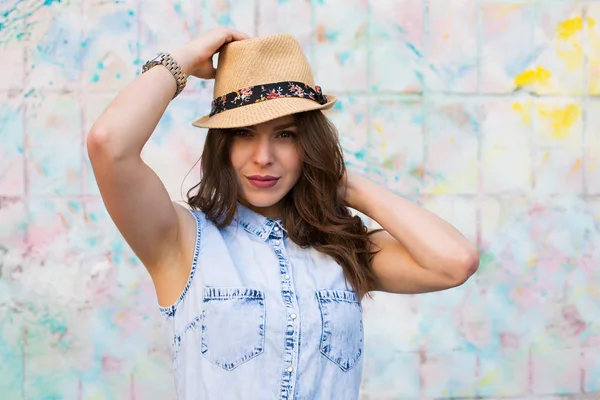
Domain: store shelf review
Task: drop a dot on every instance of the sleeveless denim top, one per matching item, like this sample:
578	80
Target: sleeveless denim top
262	318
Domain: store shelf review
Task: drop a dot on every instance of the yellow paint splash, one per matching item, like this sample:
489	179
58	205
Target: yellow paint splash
488	378
562	119
505	9
539	75
121	316
572	57
571	26
523	110
546	157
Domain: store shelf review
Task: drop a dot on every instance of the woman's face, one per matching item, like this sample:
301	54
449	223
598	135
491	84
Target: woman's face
266	159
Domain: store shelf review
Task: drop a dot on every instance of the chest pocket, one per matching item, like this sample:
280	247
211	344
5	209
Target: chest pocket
233	325
342	328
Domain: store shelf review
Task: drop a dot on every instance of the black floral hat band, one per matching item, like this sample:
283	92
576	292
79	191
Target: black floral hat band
267	91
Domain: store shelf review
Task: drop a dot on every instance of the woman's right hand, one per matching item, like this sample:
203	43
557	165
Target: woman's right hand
196	57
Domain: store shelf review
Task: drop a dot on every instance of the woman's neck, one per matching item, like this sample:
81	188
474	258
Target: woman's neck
272	211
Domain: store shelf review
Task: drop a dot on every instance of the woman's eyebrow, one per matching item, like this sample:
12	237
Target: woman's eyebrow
288	125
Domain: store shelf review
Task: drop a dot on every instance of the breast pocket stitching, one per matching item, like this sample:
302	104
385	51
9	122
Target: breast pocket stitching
233	325
342	327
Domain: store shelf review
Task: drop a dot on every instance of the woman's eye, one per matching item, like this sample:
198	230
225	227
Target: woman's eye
287	134
241	132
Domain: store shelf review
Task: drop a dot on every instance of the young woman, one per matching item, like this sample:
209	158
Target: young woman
260	282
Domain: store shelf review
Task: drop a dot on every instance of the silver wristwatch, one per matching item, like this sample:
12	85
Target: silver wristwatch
170	63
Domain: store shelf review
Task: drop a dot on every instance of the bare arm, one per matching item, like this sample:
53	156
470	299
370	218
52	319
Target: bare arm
419	252
135	198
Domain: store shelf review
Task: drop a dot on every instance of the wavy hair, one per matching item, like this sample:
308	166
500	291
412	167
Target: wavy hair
312	212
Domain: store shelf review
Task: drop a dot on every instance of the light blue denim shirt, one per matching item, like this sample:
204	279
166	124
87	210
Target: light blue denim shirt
262	318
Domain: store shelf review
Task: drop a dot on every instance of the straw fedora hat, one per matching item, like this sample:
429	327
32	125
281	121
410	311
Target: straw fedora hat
260	79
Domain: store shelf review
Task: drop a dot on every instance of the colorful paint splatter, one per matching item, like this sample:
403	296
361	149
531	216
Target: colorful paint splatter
483	111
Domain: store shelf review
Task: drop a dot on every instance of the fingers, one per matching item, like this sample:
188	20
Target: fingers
221	36
233	35
237	35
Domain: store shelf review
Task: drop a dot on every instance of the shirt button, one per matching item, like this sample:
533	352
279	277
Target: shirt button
286	277
276	243
276	229
290	368
293	316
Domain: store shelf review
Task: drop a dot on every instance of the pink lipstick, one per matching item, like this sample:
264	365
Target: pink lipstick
262	181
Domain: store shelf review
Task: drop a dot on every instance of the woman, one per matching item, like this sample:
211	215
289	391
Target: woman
261	281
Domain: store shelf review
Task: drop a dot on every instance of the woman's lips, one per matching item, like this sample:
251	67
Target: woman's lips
262	182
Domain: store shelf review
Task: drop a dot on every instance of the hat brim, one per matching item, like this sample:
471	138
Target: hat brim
263	111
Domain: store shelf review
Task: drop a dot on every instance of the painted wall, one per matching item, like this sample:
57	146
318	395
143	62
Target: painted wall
482	111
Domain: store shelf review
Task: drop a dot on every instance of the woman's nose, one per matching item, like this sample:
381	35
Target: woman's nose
263	154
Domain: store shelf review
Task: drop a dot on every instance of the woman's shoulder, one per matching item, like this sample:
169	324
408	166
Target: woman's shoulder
189	217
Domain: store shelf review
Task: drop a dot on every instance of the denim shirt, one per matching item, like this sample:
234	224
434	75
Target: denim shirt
262	318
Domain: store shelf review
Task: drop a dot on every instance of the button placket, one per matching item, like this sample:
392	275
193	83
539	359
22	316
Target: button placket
288	383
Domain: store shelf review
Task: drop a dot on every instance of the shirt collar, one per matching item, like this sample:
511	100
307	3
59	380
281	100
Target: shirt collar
258	224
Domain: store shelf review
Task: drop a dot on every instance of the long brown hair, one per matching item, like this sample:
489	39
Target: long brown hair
312	212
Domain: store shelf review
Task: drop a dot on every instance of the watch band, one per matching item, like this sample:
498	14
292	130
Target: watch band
169	62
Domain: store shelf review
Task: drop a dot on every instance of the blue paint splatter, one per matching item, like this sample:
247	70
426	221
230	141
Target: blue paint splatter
414	50
119	22
345	56
521	63
76	206
331	35
224	19
417	119
361	155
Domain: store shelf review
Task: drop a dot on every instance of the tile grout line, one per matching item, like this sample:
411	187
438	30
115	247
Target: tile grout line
257	21
369	103
532	130
81	95
425	93
424	132
532	178
313	36
586	100
479	115
584	123
26	191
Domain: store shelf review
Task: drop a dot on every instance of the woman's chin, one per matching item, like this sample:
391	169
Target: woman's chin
262	200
